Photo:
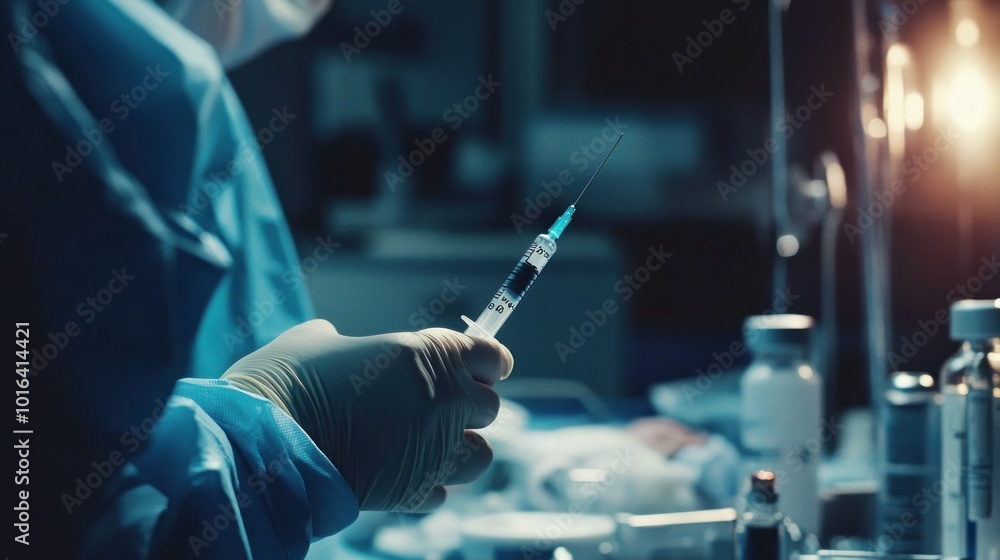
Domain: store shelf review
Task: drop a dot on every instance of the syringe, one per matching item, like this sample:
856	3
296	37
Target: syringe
526	270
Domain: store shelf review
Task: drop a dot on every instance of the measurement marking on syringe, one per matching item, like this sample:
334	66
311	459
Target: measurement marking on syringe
526	270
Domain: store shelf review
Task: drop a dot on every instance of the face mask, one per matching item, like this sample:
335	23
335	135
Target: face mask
240	29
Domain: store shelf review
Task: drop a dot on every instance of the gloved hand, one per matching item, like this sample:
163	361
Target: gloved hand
391	411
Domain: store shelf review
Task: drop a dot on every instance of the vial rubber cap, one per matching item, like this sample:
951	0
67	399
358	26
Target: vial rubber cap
763	489
975	319
770	332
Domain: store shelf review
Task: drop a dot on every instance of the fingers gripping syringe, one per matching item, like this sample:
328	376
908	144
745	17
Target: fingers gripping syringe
526	270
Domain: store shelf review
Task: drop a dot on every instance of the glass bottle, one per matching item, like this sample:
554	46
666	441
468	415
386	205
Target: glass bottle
780	413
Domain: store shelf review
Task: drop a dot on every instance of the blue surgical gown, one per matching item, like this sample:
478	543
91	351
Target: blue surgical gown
151	253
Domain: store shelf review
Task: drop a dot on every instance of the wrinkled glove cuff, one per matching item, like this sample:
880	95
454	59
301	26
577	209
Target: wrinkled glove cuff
294	395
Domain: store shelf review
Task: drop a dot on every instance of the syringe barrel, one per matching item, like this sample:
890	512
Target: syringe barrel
514	287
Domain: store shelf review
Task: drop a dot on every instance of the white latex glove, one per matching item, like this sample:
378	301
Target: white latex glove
391	411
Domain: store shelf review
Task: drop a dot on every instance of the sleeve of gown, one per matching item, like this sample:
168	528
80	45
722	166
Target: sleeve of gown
288	492
225	475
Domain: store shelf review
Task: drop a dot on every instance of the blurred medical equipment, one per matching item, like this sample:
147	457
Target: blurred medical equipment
606	469
781	402
758	528
803	203
567	474
431	537
971	428
544	535
527	269
817	202
910	464
875	247
850	555
716	411
978	437
779	161
955	528
597	469
690	535
926	95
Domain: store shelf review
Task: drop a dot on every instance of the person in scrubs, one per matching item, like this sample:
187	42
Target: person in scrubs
176	400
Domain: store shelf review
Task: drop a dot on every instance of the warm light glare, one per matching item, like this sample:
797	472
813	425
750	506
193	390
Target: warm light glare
937	105
913	110
897	59
926	380
967	33
876	128
969	99
836	184
788	245
868	112
897	55
904	381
